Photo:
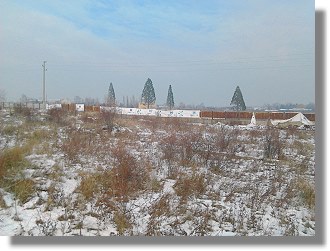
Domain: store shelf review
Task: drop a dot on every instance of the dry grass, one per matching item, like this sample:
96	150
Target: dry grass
75	144
168	147
2	202
54	198
306	192
120	182
58	116
23	111
9	130
186	185
90	185
12	161
122	222
108	118
128	176
208	163
23	189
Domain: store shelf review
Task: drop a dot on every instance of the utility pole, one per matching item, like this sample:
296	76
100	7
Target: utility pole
43	86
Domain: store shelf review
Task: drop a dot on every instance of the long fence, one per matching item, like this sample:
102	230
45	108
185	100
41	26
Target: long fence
13	105
248	115
213	115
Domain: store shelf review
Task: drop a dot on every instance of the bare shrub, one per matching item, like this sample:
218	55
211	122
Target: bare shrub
55	197
168	146
89	118
189	144
58	116
291	132
46	227
306	192
202	220
223	137
300	168
23	110
304	135
186	186
40	134
290	228
302	148
153	123
174	124
205	147
76	143
253	135
161	208
273	145
108	117
128	176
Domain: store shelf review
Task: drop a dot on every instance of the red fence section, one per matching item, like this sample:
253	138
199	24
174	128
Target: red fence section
248	115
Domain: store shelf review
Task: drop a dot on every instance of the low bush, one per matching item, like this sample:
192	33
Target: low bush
273	145
19	109
168	147
121	222
75	144
161	207
58	116
186	186
108	118
9	130
23	189
3	204
90	185
307	193
12	161
128	176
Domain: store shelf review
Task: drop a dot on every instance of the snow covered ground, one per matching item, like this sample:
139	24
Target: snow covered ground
69	175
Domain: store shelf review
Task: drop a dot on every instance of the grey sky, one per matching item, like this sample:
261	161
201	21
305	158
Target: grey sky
204	49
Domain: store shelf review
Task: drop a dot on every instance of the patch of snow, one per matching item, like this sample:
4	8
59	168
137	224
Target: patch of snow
168	186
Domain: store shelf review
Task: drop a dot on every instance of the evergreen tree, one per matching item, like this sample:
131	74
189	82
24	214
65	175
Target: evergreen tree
170	99
111	99
237	101
148	94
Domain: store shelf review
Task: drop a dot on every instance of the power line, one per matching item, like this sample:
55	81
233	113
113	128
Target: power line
213	61
284	61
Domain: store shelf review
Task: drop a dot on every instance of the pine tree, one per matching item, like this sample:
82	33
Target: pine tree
148	94
170	99
237	101
111	99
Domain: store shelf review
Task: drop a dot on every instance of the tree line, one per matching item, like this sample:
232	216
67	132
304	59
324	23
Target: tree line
148	97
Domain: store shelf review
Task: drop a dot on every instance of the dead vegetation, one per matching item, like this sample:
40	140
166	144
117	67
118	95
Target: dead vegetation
153	176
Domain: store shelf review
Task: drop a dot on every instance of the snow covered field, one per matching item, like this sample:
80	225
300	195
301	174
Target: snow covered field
100	174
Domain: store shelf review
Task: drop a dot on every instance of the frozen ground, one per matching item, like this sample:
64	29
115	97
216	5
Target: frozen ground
152	176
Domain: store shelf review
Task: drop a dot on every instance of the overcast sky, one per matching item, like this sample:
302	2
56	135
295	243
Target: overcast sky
204	49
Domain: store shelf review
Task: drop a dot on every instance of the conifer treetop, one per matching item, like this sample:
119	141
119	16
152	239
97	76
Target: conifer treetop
111	99
237	100
148	94
170	98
